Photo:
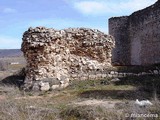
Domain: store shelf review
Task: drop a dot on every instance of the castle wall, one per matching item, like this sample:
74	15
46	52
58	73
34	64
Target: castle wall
118	27
143	34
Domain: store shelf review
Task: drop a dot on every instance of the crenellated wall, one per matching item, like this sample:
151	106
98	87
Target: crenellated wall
137	37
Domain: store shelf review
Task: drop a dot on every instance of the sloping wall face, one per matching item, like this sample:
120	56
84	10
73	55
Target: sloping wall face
143	36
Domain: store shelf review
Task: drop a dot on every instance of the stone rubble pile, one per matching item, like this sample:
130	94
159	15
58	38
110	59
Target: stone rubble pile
53	56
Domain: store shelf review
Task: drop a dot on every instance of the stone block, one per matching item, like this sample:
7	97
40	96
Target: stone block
44	86
53	87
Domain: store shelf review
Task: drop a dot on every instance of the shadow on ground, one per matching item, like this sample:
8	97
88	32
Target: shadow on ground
17	79
147	87
147	82
116	94
13	80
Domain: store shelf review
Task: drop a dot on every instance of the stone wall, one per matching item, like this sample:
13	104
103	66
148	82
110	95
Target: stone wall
118	27
56	56
137	37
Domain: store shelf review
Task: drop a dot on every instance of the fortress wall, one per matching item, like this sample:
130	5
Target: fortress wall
118	27
143	35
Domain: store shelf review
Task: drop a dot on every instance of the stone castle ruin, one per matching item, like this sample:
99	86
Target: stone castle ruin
137	37
56	56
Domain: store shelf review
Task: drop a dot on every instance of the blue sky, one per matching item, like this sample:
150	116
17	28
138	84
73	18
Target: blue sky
16	16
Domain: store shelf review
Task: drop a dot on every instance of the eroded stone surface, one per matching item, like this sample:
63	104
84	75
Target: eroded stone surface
54	56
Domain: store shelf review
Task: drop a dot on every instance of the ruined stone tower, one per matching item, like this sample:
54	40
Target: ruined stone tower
56	56
137	37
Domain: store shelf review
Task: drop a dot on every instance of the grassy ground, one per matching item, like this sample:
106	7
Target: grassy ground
6	63
81	100
137	69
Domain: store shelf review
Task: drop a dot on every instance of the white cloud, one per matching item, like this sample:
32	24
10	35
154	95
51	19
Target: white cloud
89	7
136	4
102	7
7	42
9	10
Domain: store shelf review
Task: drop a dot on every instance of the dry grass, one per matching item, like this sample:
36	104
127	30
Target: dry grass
90	113
122	111
5	63
25	110
59	105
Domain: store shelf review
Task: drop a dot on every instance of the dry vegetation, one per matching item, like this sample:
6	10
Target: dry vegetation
5	63
82	100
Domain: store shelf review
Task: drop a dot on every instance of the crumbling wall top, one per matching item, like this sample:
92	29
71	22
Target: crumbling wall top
57	54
